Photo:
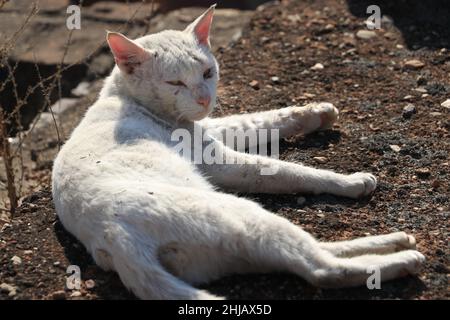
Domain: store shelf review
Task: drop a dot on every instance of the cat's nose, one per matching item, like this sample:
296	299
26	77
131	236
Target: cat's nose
204	101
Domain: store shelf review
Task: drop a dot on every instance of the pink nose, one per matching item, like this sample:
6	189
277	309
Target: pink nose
204	101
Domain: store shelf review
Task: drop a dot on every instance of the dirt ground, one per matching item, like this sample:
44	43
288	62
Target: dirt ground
370	82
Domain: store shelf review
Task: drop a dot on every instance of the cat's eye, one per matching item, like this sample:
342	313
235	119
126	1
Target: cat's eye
176	83
208	74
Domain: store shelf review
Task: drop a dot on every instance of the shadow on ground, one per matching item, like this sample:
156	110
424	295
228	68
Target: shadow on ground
422	23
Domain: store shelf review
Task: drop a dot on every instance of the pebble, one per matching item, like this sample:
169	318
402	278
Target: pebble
317	66
408	97
408	111
301	200
16	260
395	148
436	114
414	64
275	80
9	289
320	159
28	252
59	295
89	284
75	294
365	34
446	104
254	84
423	173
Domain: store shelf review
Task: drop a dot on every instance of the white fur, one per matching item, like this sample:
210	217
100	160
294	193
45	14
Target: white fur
156	219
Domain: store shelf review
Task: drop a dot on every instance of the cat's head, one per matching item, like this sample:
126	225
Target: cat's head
172	71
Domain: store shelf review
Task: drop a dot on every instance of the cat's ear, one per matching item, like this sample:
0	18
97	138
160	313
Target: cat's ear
202	26
127	53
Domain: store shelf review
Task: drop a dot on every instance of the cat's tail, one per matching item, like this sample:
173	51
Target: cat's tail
133	256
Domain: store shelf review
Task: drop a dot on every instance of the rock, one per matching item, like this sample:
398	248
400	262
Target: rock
436	184
301	200
317	66
254	84
320	159
395	148
436	114
421	80
82	89
28	252
423	173
408	97
275	80
366	34
16	260
59	295
89	284
408	111
75	294
446	104
9	289
414	64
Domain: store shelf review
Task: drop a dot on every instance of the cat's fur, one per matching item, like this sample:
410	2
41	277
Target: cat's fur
156	218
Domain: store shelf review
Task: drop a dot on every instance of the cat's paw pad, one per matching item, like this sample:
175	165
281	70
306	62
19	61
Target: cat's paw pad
361	184
328	114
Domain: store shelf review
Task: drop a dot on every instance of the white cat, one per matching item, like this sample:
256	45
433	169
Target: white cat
155	218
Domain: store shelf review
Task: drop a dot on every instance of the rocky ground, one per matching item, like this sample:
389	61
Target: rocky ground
389	85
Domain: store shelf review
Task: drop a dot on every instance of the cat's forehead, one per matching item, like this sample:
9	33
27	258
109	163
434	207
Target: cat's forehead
172	45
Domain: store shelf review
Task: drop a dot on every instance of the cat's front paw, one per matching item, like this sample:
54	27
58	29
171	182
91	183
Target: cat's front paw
360	184
328	114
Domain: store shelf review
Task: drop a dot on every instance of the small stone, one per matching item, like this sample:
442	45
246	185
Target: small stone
321	215
408	97
28	252
56	263
366	34
9	289
320	159
423	173
446	104
408	111
275	80
301	200
75	294
317	66
436	114
436	184
59	295
414	64
254	84
16	260
421	80
395	148
89	284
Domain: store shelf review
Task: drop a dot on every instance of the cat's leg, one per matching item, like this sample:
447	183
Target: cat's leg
257	174
287	121
236	235
133	254
380	244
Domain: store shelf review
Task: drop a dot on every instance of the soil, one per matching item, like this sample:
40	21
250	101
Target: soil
368	81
